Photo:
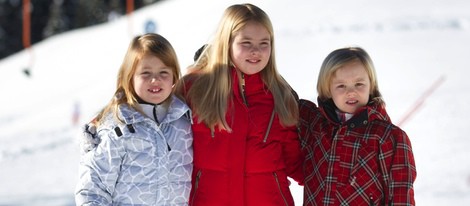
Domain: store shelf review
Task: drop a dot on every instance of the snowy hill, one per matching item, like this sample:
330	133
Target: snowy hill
420	50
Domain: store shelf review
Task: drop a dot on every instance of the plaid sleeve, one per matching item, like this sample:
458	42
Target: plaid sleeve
306	110
398	168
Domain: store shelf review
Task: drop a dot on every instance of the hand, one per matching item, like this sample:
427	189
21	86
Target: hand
88	138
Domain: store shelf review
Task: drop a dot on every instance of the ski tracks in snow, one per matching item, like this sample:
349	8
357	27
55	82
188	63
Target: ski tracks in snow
31	143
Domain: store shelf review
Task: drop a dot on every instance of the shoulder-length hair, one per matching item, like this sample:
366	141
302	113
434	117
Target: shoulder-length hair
339	58
210	93
140	46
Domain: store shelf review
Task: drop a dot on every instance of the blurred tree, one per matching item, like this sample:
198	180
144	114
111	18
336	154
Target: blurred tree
50	17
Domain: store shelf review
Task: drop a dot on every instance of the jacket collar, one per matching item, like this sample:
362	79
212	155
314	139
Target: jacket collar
372	111
176	110
253	83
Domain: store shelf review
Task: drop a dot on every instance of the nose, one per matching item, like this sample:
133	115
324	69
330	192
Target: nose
350	91
255	49
154	79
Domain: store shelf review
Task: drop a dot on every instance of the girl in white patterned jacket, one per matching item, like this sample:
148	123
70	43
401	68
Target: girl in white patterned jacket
145	153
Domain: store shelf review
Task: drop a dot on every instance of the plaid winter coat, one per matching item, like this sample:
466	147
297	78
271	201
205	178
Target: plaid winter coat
364	161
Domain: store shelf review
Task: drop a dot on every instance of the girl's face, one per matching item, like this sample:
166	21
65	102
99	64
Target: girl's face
251	48
153	80
350	87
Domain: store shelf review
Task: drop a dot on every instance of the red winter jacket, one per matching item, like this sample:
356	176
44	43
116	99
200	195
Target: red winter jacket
364	161
242	168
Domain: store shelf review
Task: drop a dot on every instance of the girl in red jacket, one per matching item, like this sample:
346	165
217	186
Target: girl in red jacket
354	154
245	115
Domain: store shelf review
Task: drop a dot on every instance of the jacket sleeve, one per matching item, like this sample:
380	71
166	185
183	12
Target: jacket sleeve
99	170
292	155
398	167
306	111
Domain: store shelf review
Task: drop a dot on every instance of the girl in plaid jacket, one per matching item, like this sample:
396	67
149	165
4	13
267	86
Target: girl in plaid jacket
354	154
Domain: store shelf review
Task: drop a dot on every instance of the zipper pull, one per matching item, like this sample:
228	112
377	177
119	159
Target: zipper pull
243	88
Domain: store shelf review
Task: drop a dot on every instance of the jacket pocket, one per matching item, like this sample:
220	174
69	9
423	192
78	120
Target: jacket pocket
366	176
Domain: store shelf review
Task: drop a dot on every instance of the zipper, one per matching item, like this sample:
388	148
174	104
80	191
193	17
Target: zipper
159	124
242	85
196	185
269	127
279	187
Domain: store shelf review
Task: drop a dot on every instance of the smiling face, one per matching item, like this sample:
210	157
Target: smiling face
153	80
251	48
350	87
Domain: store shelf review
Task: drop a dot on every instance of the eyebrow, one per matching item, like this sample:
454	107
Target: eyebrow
250	38
361	79
338	81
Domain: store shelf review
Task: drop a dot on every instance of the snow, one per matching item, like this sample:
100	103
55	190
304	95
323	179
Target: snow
419	47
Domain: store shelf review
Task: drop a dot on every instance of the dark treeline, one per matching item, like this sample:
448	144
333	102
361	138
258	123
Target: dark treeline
50	17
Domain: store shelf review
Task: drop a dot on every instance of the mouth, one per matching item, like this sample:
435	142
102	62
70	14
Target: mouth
155	90
253	60
350	102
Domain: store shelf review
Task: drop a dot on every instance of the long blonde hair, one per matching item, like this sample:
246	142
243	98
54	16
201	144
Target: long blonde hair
337	59
147	44
211	91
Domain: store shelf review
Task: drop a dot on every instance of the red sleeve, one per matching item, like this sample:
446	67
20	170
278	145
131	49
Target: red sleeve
292	155
398	167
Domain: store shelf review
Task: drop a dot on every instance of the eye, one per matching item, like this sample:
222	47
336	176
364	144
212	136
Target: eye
360	84
145	73
164	73
246	44
265	44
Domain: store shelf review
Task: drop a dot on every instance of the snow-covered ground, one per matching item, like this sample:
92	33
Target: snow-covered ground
420	49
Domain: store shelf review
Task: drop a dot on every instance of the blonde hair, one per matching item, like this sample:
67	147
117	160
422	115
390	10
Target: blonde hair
337	59
147	44
211	91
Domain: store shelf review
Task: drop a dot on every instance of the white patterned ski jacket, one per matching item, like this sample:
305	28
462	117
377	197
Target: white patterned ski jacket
139	162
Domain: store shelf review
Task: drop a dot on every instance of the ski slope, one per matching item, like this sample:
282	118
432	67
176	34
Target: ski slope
420	49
